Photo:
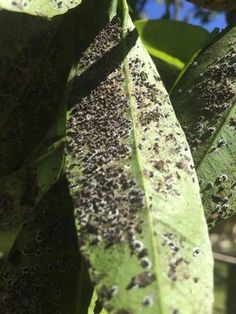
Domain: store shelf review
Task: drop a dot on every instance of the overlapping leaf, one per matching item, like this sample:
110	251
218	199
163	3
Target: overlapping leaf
34	72
40	274
138	210
44	8
205	103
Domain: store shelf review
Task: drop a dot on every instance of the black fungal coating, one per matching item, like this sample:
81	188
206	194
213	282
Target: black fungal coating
232	123
142	280
215	97
170	242
100	150
210	122
145	262
137	246
148	301
143	253
217	198
106	293
107	197
196	252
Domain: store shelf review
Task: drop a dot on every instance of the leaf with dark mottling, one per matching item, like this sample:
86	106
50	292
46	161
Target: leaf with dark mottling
205	103
33	79
41	272
138	210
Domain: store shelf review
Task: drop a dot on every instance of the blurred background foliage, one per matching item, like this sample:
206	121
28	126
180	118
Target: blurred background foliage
223	236
181	10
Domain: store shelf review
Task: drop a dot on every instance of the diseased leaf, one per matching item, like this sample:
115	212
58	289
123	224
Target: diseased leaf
38	96
44	8
40	273
21	191
137	205
25	41
168	72
205	103
172	44
33	79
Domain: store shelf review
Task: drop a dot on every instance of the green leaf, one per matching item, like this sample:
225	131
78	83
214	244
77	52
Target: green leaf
44	8
138	210
40	274
33	79
205	103
95	306
172	44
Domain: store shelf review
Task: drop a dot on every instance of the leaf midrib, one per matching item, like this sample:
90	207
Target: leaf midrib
128	88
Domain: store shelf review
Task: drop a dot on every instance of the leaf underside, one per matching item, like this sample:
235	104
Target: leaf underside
205	103
138	211
44	8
